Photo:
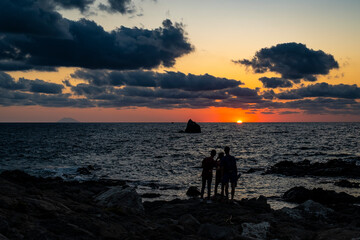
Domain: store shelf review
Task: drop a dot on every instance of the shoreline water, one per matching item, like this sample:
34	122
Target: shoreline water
155	156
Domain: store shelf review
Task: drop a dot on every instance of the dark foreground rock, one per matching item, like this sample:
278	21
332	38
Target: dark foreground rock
36	208
332	168
192	127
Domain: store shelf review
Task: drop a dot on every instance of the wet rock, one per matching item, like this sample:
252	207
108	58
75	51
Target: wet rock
212	231
301	194
332	168
123	198
347	184
192	127
86	170
193	192
257	231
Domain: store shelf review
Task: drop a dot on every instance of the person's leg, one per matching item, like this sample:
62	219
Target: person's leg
203	187
232	190
217	182
209	186
227	190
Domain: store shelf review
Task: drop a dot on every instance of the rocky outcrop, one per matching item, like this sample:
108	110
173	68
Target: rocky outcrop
347	184
192	127
332	168
38	208
121	197
301	194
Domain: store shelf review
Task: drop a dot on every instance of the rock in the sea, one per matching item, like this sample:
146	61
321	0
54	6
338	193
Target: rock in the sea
347	184
192	127
332	168
257	231
193	192
86	170
301	194
126	199
212	231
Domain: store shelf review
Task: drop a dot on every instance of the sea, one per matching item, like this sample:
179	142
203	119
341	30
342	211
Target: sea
158	158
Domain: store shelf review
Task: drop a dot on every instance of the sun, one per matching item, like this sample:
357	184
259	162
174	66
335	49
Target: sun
239	121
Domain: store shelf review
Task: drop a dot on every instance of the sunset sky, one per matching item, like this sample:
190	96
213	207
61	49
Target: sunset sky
168	61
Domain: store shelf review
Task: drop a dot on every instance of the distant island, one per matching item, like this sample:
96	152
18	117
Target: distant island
68	120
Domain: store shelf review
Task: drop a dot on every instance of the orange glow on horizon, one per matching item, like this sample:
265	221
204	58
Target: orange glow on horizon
239	121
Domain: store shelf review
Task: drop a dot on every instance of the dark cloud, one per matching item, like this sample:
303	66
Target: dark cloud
167	80
293	61
28	17
35	86
275	82
325	106
288	112
118	6
35	37
82	5
322	90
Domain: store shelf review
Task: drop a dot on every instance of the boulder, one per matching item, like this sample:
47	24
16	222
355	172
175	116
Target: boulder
257	204
255	230
125	198
212	231
189	222
193	192
314	209
192	127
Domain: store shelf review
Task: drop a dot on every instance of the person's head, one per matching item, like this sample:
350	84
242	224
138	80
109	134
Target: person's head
213	153
220	155
227	150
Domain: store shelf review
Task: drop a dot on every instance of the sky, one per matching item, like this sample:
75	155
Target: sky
169	61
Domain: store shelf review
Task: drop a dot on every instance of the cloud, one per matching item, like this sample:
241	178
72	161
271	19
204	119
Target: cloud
35	86
117	6
167	80
36	37
129	89
275	82
82	5
293	61
325	106
322	90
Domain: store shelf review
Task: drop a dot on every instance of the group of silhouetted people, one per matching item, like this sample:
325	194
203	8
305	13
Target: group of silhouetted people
226	171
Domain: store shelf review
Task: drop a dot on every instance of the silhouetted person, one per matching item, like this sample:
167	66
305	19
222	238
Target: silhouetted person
229	170
207	165
218	176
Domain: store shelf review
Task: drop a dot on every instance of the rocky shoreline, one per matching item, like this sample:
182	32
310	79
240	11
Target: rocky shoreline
38	208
